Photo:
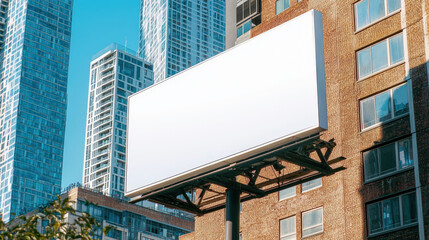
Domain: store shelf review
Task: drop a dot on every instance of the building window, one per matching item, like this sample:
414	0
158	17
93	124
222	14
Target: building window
282	5
392	213
387	159
312	222
384	106
288	228
247	9
247	26
287	193
310	185
380	56
370	11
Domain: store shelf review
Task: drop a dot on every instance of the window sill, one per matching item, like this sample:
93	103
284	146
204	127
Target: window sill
384	123
381	71
379	20
312	235
392	230
311	189
389	174
286	198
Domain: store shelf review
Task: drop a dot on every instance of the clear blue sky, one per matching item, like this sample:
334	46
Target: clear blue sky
96	24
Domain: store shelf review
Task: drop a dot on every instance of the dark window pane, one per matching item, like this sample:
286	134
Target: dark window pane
387	159
371	162
400	100
391	213
409	210
374	216
362	14
405	154
239	13
383	107
252	6
376	9
246	9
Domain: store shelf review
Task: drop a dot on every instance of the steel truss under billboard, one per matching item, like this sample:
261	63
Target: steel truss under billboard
312	155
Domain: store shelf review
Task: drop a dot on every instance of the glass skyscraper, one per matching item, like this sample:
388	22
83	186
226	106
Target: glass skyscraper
176	34
35	44
115	74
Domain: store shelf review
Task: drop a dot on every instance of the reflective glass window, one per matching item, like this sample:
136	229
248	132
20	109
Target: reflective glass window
387	159
391	213
312	222
384	106
370	11
288	228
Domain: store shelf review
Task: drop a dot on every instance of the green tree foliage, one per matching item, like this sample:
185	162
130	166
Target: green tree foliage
56	225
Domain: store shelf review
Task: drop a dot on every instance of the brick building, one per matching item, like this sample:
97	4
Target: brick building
376	62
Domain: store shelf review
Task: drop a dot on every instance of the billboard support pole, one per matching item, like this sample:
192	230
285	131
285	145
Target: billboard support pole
232	224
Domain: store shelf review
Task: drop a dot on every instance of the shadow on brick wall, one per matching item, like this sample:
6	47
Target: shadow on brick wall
395	183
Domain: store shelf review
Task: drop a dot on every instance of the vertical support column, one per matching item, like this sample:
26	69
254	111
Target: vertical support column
230	23
232	224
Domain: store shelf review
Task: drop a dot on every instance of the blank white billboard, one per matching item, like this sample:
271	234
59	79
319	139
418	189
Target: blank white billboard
256	96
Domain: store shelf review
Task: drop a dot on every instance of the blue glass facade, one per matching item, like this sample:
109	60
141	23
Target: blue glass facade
34	69
177	34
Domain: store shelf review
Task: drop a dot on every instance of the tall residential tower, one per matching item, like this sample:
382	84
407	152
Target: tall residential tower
115	74
34	56
176	34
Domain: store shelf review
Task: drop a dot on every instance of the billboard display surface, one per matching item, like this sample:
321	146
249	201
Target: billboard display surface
256	96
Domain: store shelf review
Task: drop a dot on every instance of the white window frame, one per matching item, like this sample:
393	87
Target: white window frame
389	64
281	199
302	224
386	15
398	168
312	188
288	234
393	117
402	225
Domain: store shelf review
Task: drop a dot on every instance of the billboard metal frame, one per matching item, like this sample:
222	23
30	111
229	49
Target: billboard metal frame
312	155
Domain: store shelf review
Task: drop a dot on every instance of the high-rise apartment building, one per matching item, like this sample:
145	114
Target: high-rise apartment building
115	73
34	56
176	34
376	64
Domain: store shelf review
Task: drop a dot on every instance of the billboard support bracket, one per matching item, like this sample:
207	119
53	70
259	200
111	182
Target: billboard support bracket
312	156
